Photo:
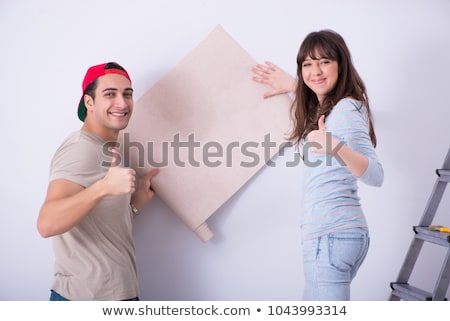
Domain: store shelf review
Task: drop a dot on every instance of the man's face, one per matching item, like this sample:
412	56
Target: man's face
113	104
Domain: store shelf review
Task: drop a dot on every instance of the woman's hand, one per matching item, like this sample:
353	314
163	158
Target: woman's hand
270	74
322	142
318	139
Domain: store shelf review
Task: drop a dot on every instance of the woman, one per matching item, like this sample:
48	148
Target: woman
333	122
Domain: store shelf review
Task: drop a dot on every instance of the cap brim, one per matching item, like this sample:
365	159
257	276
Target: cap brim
81	109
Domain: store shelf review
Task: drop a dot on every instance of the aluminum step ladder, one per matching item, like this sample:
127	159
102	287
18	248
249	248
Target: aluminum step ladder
401	289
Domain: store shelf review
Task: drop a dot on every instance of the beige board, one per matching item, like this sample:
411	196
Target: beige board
207	126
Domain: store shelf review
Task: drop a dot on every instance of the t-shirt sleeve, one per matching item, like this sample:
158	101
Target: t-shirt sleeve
353	128
77	162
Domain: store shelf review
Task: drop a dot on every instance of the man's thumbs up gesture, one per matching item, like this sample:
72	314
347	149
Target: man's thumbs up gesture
119	180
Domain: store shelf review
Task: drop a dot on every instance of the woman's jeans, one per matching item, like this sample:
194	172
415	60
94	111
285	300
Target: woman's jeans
331	262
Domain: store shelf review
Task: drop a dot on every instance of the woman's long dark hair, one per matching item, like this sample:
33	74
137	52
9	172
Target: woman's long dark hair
306	107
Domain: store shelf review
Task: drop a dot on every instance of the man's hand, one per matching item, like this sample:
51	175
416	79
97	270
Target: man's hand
119	180
144	192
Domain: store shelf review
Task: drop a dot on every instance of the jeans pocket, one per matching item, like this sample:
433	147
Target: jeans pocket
347	249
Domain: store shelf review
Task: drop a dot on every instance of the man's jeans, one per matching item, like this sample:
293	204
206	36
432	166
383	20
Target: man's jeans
55	296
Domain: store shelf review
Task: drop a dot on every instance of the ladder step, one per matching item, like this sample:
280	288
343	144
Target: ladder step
410	293
423	233
444	175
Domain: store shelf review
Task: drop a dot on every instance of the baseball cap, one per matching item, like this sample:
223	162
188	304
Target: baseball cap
93	73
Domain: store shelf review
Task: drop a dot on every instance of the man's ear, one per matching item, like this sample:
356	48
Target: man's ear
88	102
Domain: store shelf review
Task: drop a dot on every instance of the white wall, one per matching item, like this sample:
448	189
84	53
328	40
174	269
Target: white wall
401	49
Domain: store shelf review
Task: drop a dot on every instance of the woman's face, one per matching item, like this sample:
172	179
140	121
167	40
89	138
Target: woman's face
320	75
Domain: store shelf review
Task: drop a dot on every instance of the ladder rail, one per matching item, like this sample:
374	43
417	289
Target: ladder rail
433	202
437	192
443	282
410	260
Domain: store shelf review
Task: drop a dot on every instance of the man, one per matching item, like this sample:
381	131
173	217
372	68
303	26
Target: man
91	200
